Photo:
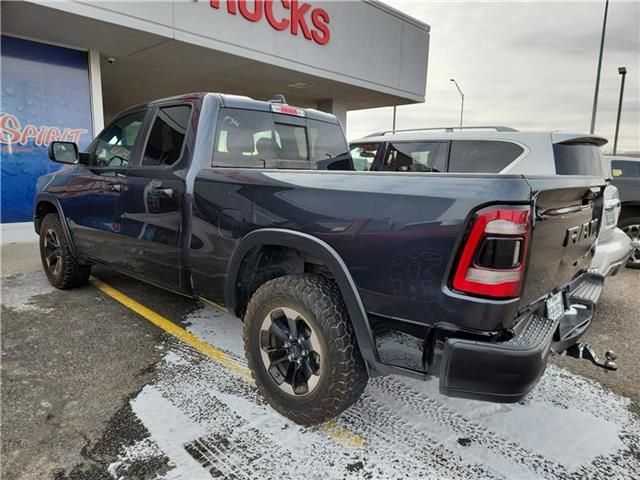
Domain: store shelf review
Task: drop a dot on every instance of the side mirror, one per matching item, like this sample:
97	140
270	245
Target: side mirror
63	152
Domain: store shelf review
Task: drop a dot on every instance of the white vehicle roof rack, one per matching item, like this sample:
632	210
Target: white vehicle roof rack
497	128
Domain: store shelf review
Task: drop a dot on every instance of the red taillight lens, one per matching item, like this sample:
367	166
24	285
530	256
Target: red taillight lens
493	257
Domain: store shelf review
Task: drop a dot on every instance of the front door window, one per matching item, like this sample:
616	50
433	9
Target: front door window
114	147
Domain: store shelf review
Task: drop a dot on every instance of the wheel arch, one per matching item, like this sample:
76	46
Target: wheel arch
321	252
44	204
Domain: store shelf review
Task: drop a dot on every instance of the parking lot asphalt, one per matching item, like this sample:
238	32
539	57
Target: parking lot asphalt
92	390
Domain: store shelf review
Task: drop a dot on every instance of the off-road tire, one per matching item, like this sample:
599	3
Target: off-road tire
70	273
344	376
627	225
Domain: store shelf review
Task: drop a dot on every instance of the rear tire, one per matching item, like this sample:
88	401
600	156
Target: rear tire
313	369
631	226
59	264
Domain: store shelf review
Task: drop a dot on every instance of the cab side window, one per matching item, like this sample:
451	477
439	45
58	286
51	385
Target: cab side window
114	147
167	135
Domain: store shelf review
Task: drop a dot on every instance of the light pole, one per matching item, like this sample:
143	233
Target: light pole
595	94
623	73
394	118
461	96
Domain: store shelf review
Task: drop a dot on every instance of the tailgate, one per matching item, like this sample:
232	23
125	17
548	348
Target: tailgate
567	214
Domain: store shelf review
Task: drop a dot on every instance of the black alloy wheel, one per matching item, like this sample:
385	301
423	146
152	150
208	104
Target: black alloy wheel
290	351
52	252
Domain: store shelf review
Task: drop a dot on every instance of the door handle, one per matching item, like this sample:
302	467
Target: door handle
114	187
163	192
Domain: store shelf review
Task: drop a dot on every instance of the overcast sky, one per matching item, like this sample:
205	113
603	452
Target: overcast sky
527	65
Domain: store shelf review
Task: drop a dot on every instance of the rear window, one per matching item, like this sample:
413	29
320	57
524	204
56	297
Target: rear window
248	138
482	156
625	169
578	159
326	141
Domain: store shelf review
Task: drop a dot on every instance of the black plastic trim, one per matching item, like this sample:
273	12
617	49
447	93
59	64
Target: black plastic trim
330	258
497	372
50	198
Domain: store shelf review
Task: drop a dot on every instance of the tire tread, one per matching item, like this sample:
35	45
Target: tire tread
73	273
349	377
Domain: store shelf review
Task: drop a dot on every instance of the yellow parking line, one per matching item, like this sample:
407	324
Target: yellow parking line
173	329
340	434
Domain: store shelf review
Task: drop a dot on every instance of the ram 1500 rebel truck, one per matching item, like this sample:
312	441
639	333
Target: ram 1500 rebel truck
338	275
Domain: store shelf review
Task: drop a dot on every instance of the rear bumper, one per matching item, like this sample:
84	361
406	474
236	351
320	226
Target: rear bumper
506	371
611	254
498	372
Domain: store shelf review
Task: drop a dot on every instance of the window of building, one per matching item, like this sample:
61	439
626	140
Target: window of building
410	157
115	145
167	135
625	169
482	156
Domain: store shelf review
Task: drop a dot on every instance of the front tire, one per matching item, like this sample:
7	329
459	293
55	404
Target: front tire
59	264
301	348
631	226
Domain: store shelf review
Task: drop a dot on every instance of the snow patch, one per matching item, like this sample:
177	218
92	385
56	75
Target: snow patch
170	429
19	292
140	451
566	436
209	421
218	328
173	358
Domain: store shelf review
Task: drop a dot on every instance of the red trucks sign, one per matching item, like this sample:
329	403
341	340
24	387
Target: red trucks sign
292	15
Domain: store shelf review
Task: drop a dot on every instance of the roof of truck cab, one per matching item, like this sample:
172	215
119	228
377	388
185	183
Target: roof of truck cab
248	103
435	135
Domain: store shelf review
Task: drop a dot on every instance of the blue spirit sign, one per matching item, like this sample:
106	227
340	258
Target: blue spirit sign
45	97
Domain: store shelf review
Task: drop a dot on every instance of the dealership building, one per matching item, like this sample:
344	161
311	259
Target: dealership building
70	66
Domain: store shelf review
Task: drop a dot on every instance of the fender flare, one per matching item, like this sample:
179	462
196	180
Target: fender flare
329	257
50	198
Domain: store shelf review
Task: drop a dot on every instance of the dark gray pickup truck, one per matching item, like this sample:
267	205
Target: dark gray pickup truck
338	275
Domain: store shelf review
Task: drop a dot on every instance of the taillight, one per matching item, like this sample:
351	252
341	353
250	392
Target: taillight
493	257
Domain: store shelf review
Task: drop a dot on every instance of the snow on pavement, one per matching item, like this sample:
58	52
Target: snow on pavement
211	423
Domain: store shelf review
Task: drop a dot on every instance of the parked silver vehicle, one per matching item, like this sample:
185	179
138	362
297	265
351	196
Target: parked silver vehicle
502	150
625	175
